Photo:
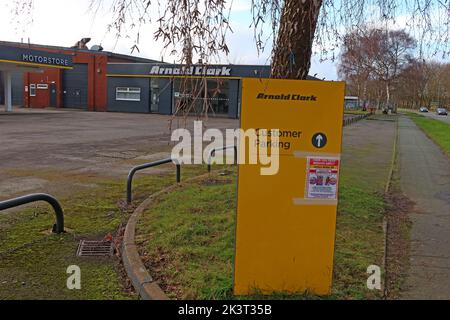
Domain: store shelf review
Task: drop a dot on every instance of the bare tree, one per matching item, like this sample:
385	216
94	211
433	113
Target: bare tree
377	55
394	56
357	62
438	84
414	81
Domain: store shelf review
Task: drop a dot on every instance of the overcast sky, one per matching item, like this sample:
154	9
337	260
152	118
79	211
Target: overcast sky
64	22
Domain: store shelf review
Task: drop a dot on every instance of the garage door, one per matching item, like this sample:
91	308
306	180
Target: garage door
75	84
17	88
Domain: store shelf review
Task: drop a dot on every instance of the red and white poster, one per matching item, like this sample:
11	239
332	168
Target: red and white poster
323	178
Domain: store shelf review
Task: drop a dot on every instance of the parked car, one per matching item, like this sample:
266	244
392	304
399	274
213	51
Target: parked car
423	109
442	112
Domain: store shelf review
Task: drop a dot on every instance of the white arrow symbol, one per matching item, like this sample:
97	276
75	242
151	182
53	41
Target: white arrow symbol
319	141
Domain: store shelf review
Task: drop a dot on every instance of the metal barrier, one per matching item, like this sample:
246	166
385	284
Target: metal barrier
147	166
213	154
350	121
58	227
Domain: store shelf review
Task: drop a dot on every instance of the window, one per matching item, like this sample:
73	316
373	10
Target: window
32	90
128	94
217	99
42	86
154	95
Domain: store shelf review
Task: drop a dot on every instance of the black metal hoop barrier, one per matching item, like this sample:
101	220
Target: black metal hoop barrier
16	202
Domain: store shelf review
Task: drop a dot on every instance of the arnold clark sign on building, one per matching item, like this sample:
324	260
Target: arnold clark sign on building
211	71
33	57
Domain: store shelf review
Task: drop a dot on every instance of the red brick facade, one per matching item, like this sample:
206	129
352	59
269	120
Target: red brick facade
97	80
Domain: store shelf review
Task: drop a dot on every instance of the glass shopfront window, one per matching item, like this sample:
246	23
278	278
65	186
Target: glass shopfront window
191	97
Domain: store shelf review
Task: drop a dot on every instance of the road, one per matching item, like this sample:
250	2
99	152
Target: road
425	179
433	115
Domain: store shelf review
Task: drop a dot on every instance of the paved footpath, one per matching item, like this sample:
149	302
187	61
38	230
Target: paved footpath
425	179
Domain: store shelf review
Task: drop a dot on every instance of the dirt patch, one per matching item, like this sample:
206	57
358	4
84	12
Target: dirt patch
120	268
215	182
158	262
20	185
399	208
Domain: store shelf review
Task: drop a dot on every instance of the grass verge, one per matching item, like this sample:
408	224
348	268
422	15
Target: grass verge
187	237
399	226
438	131
187	240
356	112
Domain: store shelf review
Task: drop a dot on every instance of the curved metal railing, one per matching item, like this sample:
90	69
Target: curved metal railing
134	170
58	227
213	153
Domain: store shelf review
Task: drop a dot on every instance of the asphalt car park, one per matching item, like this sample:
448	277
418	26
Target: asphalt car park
78	142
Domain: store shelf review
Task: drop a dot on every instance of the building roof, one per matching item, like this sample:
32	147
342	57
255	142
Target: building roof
265	69
108	53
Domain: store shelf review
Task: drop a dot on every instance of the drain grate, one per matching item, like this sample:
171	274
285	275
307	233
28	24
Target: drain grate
95	249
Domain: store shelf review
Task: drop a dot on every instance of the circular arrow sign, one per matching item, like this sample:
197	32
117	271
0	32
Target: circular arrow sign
319	140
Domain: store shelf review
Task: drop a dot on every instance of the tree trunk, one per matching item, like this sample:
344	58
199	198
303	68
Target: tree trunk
365	94
292	55
388	94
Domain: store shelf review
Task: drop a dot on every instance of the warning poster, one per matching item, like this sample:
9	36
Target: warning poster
323	178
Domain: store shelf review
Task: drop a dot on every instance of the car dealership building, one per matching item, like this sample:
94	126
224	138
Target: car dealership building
162	88
82	83
104	81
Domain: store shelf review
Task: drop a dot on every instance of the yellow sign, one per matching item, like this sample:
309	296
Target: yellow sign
286	222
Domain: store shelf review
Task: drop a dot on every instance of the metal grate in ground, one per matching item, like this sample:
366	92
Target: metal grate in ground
95	249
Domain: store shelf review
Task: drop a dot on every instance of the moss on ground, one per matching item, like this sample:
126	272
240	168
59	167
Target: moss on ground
33	263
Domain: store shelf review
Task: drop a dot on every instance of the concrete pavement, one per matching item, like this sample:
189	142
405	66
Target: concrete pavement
425	179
